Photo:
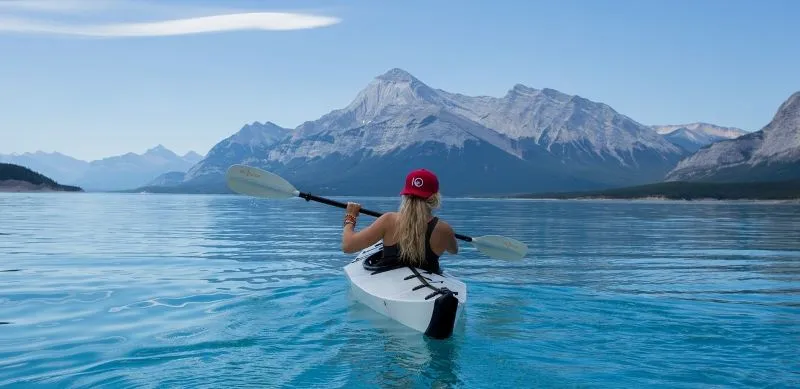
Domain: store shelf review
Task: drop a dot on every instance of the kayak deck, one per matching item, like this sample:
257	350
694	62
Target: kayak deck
425	301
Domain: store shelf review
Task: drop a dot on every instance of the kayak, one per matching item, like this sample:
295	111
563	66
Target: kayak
427	302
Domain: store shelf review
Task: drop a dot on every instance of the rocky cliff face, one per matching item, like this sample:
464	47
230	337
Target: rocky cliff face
249	144
771	153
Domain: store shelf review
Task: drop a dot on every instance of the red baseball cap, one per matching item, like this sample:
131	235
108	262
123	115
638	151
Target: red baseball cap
421	183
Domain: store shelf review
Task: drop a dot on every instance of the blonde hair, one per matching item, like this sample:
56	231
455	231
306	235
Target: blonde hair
412	224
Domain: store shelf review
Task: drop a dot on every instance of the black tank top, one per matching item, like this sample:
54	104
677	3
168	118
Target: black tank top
431	264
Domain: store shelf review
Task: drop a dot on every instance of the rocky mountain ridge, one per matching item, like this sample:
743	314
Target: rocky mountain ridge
772	153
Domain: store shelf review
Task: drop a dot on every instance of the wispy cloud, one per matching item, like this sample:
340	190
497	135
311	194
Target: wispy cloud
15	16
216	23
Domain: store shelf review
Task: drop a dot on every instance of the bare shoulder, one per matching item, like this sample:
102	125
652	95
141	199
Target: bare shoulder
444	227
389	216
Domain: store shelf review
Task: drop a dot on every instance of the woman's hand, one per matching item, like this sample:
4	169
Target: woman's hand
351	216
353	209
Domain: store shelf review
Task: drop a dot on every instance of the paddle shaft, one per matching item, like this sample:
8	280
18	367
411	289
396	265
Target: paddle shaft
310	197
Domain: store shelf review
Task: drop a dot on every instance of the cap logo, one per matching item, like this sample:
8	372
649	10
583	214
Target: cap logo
417	182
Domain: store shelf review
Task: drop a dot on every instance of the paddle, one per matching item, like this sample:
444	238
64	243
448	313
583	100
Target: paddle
256	182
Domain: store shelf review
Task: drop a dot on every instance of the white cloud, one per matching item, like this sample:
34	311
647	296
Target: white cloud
14	18
216	23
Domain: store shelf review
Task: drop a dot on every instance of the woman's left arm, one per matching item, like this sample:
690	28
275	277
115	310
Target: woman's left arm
353	241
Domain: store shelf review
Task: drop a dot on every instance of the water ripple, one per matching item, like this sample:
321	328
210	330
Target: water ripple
125	290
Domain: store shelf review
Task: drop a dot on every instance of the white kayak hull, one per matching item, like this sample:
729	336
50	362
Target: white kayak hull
433	309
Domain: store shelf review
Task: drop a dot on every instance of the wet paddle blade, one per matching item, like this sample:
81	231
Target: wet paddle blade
256	182
500	247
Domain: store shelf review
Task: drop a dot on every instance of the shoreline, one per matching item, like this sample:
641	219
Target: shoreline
642	199
16	186
658	199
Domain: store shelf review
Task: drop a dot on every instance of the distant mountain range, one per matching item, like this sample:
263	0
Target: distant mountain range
694	136
527	140
59	167
121	172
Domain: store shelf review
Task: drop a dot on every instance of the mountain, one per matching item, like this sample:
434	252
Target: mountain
59	167
16	178
560	122
247	145
131	170
168	179
120	172
192	157
694	136
587	139
772	153
528	140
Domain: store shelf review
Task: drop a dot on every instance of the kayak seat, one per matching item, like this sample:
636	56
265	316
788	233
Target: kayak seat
377	263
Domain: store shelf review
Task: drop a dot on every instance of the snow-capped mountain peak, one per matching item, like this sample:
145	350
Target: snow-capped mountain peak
694	136
521	90
702	127
397	75
554	119
258	133
392	89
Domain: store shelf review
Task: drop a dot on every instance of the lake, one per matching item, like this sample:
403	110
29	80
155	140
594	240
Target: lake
203	291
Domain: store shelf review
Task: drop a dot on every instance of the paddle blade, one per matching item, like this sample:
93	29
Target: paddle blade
253	181
500	247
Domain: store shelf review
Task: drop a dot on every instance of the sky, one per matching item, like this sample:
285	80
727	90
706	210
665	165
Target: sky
97	78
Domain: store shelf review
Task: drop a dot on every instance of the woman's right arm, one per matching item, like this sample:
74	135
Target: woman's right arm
452	245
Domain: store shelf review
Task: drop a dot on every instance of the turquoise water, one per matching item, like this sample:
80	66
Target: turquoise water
129	290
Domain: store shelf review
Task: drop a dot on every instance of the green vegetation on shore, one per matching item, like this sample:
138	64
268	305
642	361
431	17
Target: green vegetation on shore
21	179
772	190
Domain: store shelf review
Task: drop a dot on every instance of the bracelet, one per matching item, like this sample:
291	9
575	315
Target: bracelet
349	219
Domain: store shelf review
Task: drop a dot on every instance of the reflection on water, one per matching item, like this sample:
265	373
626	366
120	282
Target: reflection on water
125	290
398	356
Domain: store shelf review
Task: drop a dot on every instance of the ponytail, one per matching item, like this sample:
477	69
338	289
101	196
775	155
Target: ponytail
412	224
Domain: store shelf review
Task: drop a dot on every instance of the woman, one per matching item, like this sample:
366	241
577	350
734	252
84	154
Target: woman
412	236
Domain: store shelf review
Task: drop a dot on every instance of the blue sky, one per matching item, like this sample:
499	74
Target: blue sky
86	78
